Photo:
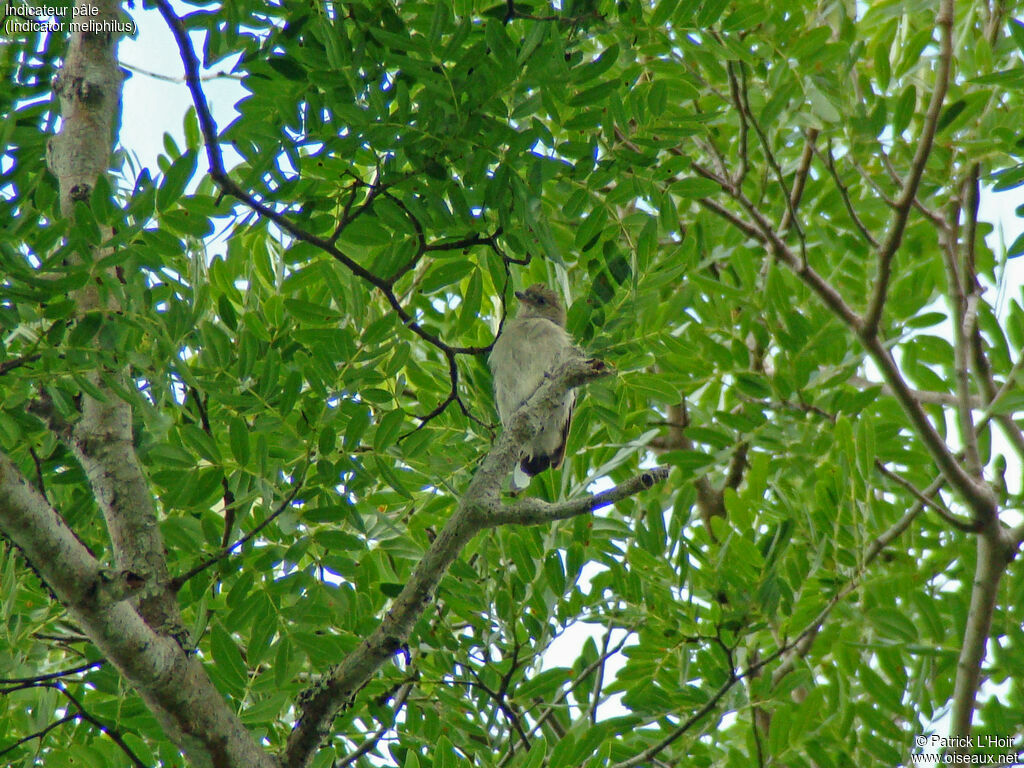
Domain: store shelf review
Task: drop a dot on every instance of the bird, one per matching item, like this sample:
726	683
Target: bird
528	348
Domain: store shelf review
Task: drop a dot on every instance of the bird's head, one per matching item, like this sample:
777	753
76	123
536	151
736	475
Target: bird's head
540	301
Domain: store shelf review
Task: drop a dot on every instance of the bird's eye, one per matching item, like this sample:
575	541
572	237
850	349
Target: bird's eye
541	300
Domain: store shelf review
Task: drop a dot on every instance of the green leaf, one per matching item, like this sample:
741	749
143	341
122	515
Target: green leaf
659	387
691	462
893	624
308	312
903	111
950	113
469	311
238	434
1017	33
881	59
753	385
445	273
1016	248
85	329
227	658
663	12
175	180
696	187
1009	178
388	429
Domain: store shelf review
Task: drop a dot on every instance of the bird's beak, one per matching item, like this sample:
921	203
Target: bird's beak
520	295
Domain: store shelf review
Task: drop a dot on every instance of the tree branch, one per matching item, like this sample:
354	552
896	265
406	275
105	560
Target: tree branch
179	581
595	665
51	676
802	640
805	639
977	494
172	684
844	194
537	512
220	177
927	500
112	733
1005	420
479	508
371	742
992	559
40	733
925	396
909	192
800	179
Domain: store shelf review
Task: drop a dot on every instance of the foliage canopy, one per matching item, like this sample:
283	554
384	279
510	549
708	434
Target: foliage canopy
764	216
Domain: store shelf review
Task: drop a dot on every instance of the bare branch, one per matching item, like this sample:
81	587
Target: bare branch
743	226
563	694
1010	428
40	733
740	102
802	641
226	495
766	147
51	676
805	639
16	362
538	512
762	231
112	733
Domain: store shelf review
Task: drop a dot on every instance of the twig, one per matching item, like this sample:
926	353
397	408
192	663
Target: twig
1010	428
763	231
599	682
40	733
51	675
780	179
844	194
479	508
809	631
939	222
177	80
227	495
178	581
536	512
800	179
220	177
740	102
805	640
544	716
9	365
112	733
909	191
925	396
371	742
945	514
976	493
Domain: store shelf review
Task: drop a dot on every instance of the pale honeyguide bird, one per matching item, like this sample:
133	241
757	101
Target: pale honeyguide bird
530	346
